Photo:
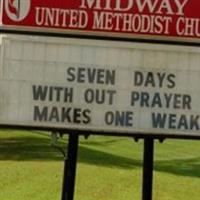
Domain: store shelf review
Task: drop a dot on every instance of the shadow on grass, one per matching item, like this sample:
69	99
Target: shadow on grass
183	167
27	148
39	148
33	148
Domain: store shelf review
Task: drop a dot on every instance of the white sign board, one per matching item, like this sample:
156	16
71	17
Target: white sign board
100	86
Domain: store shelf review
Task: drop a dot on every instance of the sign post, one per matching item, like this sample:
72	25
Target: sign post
147	186
70	168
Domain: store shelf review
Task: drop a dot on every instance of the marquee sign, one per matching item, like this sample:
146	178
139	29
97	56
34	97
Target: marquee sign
164	20
101	87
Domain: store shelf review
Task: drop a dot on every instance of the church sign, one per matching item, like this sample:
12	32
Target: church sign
159	20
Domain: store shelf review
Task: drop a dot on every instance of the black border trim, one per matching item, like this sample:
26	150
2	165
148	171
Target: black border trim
136	135
92	37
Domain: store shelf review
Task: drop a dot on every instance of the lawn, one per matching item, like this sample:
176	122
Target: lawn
109	168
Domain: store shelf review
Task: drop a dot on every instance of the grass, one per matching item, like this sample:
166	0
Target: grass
109	168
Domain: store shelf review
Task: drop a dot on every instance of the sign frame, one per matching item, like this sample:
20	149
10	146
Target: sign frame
136	134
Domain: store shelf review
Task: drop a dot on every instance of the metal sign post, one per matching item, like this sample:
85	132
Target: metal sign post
148	169
70	168
71	161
